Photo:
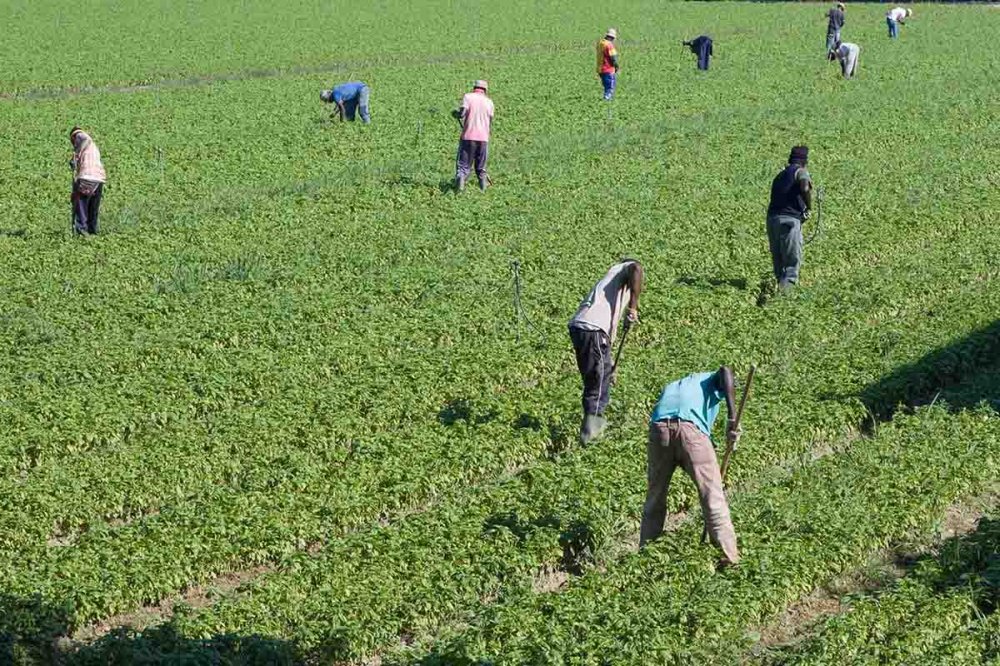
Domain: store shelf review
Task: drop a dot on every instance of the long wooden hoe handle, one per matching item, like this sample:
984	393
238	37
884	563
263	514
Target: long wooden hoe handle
732	447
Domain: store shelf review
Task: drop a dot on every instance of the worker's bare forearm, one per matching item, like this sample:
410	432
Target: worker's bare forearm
635	286
728	387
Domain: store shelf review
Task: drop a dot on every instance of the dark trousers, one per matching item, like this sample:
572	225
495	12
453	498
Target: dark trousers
593	358
86	209
704	53
784	235
471	154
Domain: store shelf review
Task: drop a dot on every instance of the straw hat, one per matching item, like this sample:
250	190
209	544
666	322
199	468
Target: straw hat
481	83
612	33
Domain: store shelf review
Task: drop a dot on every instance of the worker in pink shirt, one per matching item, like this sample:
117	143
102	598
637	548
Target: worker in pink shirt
475	116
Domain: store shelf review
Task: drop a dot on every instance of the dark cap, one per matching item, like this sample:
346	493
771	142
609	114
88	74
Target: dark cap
800	155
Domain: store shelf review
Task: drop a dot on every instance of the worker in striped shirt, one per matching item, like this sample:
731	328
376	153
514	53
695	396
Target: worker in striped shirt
607	62
88	182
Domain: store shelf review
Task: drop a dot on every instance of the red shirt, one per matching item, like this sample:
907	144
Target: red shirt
605	52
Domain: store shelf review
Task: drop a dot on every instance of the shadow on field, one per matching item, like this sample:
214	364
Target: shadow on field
708	282
963	374
463	409
33	633
575	537
969	562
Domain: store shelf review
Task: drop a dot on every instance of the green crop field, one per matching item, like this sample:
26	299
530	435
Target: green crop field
283	409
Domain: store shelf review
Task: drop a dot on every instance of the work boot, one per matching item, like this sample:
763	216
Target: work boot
482	184
592	428
459	184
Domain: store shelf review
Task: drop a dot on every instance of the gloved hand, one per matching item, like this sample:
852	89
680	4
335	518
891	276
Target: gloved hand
632	317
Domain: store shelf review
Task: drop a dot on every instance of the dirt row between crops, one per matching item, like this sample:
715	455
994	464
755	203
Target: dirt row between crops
198	80
804	617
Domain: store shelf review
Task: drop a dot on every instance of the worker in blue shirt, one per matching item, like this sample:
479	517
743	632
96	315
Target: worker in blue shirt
350	98
680	430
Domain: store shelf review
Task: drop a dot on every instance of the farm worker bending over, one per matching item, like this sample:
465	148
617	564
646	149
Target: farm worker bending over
476	117
349	98
847	54
702	47
680	431
833	27
607	62
791	199
88	182
894	19
592	330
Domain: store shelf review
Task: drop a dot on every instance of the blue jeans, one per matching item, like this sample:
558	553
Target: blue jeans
359	103
893	28
609	85
831	40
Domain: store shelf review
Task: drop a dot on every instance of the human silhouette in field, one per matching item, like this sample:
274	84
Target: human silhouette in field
593	330
680	431
791	201
88	182
475	115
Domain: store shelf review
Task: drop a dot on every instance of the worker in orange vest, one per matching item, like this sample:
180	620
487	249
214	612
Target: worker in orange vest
607	62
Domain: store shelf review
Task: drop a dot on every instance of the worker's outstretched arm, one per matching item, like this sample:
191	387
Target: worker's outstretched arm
340	110
805	182
635	284
728	387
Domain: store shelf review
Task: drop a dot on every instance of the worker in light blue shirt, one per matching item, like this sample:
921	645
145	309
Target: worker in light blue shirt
680	431
351	99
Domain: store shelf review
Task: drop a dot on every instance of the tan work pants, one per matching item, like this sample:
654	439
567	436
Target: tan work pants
673	443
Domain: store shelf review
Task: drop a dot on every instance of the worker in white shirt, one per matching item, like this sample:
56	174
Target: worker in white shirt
894	18
847	54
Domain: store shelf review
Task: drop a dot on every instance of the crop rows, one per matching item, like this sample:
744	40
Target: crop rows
295	351
669	603
304	514
942	612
